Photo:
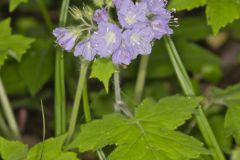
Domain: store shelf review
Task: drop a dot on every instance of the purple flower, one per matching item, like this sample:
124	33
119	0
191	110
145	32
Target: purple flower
130	14
65	38
100	15
155	6
85	49
139	39
123	55
160	27
143	6
119	3
107	39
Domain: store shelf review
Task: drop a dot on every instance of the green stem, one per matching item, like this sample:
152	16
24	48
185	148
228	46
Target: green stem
42	6
7	109
86	107
76	104
3	127
88	118
119	104
141	78
60	99
117	89
187	87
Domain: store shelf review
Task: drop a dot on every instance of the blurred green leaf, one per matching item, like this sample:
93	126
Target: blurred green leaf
103	69
12	150
14	4
192	28
14	45
199	60
5	29
235	154
159	62
37	67
232	121
12	80
102	103
186	4
231	95
217	124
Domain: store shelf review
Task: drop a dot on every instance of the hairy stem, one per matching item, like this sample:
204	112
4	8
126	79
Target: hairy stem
118	99
76	104
141	78
60	99
187	87
7	109
88	118
119	104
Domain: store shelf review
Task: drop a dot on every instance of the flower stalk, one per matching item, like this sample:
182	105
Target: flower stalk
7	109
119	103
187	87
60	100
77	100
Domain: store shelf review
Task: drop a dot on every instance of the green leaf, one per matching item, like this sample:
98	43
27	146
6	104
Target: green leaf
13	45
230	95
221	12
14	3
199	60
236	154
232	121
12	150
16	45
5	28
13	82
102	69
186	4
192	28
51	149
3	57
37	67
150	135
217	124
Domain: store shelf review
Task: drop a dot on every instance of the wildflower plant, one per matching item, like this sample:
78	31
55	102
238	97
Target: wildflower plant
133	33
109	35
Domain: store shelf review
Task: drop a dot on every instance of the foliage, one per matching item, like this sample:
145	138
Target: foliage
10	44
103	69
231	97
149	134
219	12
50	149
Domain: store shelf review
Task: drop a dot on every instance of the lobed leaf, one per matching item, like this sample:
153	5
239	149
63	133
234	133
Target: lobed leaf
148	135
221	12
13	45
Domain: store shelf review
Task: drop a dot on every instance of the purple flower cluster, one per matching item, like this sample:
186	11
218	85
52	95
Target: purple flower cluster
140	24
